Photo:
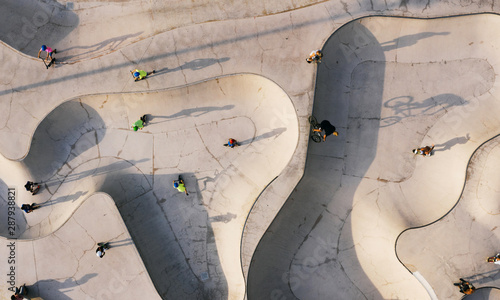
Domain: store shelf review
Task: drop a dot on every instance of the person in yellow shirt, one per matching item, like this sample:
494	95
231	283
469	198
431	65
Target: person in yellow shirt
140	74
180	186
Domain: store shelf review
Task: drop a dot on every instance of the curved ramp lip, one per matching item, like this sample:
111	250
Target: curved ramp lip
149	91
416	274
426	285
440	218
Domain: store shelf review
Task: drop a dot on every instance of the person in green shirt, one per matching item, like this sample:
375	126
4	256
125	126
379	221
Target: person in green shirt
179	185
139	124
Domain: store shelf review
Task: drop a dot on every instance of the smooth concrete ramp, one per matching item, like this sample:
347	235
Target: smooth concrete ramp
63	265
190	244
191	42
458	244
389	85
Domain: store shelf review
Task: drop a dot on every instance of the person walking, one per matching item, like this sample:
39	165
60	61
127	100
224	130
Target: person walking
180	186
140	74
315	56
231	143
424	151
32	187
465	287
49	52
27	208
101	249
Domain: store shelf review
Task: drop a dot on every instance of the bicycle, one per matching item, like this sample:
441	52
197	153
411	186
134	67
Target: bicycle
315	130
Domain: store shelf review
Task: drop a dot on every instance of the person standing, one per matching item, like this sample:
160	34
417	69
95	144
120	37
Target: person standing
101	249
231	143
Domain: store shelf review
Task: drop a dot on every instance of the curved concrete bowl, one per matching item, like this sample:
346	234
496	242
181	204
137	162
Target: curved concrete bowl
87	145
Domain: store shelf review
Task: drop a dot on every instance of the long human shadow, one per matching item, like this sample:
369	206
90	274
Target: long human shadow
112	44
273	133
197	64
274	273
452	142
54	289
408	40
188	112
25	24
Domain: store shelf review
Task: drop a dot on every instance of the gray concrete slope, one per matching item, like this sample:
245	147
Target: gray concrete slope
390	85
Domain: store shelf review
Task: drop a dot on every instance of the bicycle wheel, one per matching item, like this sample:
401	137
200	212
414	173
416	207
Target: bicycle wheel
316	138
313	121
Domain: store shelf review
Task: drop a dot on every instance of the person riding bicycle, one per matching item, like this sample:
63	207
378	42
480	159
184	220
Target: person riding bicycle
180	186
30	186
328	128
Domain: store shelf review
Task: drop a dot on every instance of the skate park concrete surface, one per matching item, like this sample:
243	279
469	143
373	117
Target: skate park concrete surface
356	217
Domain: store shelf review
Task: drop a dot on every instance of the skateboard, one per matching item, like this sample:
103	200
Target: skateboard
52	62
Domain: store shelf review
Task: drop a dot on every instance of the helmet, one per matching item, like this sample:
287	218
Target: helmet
415	151
135	128
176	185
44	47
136	74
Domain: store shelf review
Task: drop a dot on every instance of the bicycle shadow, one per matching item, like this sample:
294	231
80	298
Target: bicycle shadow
403	109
